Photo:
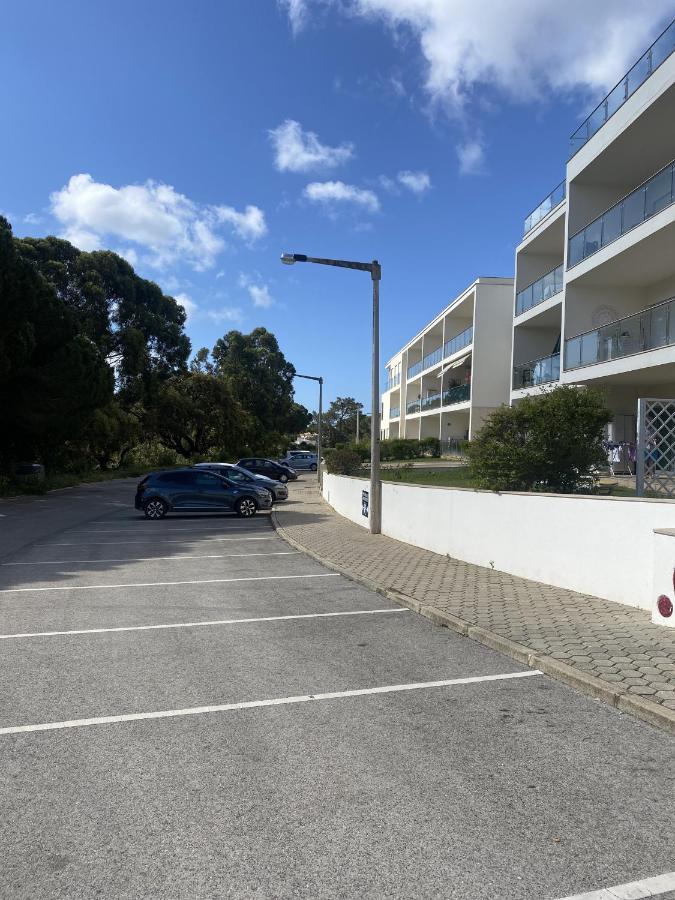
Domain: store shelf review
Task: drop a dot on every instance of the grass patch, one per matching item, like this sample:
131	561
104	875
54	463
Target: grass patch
458	476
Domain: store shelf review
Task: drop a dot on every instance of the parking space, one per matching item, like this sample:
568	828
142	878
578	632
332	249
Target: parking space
190	708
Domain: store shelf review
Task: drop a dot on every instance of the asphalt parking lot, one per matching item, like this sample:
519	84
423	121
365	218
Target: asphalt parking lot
191	709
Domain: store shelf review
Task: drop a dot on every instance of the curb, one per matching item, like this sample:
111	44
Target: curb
625	702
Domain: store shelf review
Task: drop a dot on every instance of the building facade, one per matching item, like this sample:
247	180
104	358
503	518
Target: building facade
455	371
595	270
593	299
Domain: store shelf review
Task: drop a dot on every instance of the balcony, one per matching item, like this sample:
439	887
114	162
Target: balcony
641	204
395	412
538	371
648	63
431	401
461	340
554	199
647	330
534	294
440	353
393	381
412	406
458	394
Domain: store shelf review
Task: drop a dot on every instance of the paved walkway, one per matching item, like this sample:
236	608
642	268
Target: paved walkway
606	649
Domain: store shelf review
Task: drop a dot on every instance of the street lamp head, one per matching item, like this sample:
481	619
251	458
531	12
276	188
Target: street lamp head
289	258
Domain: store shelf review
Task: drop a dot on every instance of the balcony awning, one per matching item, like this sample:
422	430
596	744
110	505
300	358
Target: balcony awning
455	364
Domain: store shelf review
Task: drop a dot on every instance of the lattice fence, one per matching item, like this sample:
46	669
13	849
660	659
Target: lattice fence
655	471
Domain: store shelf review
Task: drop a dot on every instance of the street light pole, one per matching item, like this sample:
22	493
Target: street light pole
375	505
318	430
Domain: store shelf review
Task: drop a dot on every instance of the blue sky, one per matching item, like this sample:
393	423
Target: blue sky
201	140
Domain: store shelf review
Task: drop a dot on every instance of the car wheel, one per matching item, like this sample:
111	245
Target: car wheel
313	467
283	478
246	507
155	509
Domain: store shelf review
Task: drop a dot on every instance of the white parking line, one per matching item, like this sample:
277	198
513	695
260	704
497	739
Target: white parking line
354	612
98	587
270	537
631	890
211	529
252	704
93	562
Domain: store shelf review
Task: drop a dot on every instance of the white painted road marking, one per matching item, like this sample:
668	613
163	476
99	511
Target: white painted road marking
269	537
64	562
252	704
330	615
97	587
631	890
191	528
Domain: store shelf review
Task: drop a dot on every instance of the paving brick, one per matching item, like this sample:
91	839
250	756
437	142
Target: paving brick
617	644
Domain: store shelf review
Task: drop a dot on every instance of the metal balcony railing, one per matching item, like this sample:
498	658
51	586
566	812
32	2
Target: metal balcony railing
547	205
645	201
547	286
647	330
458	342
538	371
648	63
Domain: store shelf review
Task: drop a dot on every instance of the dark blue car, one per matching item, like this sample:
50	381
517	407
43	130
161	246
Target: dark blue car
189	490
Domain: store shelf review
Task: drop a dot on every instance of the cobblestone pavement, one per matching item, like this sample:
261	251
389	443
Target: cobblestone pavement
615	643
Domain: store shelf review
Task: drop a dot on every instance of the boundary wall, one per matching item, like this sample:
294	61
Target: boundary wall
603	546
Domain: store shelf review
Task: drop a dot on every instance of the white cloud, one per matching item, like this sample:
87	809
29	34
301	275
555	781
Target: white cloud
332	192
526	48
33	219
166	225
471	156
187	303
297	11
225	314
296	150
259	293
417	182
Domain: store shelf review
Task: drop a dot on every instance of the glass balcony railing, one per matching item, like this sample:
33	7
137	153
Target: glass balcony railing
431	401
457	394
645	201
538	371
648	63
554	199
432	358
395	412
647	330
415	369
461	340
412	406
393	381
547	286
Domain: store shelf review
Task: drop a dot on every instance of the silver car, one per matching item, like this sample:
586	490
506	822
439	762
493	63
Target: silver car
301	459
278	490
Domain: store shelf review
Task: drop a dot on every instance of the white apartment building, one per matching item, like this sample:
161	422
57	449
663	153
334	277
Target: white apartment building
595	270
456	370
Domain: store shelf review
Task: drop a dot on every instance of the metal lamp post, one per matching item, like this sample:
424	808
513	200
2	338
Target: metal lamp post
374	512
318	430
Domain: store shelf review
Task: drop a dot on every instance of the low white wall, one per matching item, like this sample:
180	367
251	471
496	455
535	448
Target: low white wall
664	578
602	546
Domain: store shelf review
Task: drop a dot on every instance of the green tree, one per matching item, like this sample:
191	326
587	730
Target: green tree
197	414
547	442
52	377
340	420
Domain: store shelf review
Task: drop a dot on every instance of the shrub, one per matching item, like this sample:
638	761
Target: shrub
342	462
549	442
430	446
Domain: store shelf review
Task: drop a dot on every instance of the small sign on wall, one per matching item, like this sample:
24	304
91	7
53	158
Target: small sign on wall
364	503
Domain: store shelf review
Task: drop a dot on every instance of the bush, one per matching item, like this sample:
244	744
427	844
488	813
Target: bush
549	442
342	462
430	446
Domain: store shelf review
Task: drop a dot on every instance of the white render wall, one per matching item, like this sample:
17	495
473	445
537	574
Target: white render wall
601	546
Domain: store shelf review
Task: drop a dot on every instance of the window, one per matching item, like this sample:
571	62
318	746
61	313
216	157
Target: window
182	478
238	477
204	480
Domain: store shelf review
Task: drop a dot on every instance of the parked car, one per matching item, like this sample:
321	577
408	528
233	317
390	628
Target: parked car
278	490
300	459
268	467
189	490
